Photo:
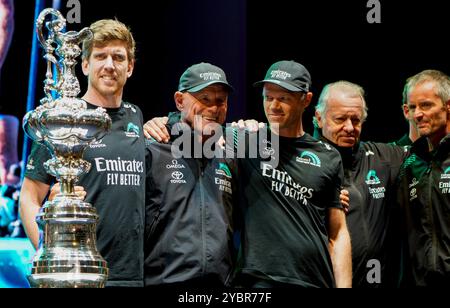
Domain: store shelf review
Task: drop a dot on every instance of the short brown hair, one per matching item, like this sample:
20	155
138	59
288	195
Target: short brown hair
107	30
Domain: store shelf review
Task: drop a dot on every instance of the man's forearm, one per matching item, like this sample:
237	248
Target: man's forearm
32	195
28	216
341	257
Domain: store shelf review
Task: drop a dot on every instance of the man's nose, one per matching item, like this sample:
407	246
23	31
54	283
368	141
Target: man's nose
213	109
348	126
109	63
275	104
418	114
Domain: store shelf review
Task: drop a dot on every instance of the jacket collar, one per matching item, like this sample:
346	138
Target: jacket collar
349	155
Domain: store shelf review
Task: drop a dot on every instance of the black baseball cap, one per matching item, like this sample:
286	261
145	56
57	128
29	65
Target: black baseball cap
288	74
201	75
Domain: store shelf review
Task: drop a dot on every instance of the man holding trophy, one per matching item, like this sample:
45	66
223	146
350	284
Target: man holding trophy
115	184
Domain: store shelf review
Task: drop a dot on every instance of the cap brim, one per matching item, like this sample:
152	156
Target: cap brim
204	85
282	84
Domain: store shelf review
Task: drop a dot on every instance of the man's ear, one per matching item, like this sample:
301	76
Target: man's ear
130	68
308	98
318	119
178	98
406	111
85	67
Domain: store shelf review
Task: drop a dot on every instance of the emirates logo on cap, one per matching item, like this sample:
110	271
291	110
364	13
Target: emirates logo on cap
210	76
280	75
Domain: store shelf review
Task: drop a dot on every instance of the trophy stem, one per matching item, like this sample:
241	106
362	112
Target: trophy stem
67	186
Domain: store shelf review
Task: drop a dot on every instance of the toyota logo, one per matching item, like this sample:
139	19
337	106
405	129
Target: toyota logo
269	151
177	175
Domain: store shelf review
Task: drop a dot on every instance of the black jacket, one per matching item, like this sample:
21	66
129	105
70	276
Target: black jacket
189	218
370	175
425	198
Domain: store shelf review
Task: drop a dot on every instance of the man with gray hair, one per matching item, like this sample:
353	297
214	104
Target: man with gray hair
424	191
370	171
413	134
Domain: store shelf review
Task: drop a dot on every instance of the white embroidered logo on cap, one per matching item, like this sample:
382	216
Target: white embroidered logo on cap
280	74
210	76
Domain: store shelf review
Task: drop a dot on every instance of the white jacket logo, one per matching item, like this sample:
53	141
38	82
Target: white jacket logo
175	165
413	191
177	178
177	175
268	151
130	107
97	144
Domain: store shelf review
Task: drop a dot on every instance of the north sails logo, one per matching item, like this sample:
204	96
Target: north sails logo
280	74
210	76
309	158
372	179
132	130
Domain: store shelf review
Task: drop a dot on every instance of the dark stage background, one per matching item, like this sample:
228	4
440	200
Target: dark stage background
331	38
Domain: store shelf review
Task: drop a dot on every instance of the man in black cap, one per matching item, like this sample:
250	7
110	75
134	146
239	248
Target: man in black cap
189	228
294	232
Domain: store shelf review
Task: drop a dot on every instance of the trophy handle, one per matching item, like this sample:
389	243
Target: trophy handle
54	26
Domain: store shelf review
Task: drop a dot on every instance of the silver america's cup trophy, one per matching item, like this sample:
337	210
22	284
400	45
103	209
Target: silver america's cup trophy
68	256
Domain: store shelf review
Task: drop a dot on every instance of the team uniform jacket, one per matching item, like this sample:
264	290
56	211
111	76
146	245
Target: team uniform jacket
189	218
370	174
425	199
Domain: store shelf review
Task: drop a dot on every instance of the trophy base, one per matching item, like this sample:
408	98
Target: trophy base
67	280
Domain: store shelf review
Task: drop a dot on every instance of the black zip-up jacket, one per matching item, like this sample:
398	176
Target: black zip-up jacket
189	218
370	174
425	198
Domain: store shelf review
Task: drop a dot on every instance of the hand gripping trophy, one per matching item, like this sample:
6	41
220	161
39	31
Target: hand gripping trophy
68	256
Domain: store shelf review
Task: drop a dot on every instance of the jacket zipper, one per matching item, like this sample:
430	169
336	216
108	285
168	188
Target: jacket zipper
202	218
433	228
